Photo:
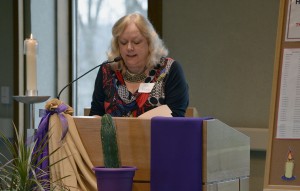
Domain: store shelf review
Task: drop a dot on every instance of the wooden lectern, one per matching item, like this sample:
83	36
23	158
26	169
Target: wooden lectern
225	163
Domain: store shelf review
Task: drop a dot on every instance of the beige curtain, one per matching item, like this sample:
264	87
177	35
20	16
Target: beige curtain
75	171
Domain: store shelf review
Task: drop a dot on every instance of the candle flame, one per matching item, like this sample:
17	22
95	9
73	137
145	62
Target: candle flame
290	156
31	36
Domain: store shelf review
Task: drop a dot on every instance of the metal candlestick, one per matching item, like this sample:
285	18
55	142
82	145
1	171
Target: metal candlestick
31	100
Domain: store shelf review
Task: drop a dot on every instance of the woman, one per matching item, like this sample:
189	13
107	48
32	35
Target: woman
144	78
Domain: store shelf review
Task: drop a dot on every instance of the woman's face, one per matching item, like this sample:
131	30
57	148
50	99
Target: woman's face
134	48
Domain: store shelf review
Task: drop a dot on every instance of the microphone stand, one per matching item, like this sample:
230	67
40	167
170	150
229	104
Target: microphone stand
117	59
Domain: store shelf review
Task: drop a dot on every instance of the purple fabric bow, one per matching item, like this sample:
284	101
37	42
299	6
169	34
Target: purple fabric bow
41	138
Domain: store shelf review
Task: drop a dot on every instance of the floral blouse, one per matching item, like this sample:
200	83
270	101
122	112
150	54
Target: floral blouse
112	96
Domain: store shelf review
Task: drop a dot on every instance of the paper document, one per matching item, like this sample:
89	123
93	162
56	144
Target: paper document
288	120
163	111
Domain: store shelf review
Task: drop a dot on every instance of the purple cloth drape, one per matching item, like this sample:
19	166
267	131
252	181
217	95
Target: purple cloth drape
41	138
176	153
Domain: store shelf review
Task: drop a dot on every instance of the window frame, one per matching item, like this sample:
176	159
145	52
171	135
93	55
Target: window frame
155	17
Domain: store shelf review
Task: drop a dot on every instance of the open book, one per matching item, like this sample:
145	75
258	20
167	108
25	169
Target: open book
162	110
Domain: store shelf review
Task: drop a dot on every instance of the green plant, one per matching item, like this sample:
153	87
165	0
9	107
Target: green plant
109	142
21	173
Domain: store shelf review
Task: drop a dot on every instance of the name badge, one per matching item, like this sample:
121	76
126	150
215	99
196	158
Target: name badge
146	87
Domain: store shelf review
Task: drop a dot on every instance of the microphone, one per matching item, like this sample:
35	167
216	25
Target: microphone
117	59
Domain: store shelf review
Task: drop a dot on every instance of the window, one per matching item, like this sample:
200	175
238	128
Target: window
93	20
43	29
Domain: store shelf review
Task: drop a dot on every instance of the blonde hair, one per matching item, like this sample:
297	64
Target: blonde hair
157	50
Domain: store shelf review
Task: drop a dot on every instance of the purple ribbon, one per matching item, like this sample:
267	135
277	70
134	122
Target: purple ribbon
41	138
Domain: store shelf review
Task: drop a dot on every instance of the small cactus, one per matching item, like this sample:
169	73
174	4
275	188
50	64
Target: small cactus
109	142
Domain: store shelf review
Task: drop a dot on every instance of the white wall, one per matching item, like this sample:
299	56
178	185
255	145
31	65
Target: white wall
227	51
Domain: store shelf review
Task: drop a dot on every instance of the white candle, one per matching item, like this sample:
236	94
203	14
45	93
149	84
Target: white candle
289	166
30	50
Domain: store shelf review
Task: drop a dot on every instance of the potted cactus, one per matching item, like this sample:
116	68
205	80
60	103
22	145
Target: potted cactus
112	176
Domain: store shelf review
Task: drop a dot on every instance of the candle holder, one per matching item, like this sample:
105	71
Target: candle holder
31	100
31	93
